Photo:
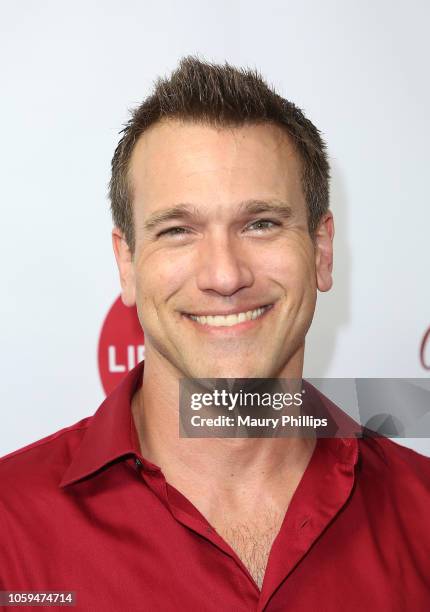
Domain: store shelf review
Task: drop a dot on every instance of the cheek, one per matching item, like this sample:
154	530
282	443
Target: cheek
159	277
292	267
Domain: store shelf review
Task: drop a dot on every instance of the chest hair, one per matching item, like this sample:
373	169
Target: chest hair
252	540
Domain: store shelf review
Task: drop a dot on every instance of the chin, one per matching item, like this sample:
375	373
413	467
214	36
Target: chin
229	371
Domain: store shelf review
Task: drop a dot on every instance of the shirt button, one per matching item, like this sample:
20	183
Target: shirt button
138	462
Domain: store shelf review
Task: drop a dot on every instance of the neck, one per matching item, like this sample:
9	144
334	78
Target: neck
215	464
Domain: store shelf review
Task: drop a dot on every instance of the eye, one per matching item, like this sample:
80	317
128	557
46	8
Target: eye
173	231
263	224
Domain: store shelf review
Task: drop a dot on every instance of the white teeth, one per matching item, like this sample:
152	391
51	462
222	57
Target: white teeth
229	320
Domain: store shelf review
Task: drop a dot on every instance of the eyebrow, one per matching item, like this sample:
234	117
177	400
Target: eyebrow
187	211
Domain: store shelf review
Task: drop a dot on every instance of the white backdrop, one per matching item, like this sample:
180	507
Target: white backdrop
70	71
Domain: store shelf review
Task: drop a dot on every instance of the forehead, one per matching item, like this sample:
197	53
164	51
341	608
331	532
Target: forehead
203	165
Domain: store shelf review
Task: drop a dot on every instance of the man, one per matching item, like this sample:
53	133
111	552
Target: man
223	235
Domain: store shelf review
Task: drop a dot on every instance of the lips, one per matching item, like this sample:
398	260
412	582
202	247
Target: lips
229	320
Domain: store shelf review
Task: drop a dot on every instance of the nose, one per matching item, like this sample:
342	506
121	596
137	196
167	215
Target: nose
224	266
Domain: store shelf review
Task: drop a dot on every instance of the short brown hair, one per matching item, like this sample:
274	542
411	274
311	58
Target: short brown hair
219	95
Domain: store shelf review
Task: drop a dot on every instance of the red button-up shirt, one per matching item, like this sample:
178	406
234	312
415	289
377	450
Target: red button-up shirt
83	511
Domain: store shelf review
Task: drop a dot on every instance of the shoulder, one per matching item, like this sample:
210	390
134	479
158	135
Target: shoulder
43	461
392	466
391	454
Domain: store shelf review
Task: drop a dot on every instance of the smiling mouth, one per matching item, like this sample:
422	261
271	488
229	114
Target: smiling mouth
230	319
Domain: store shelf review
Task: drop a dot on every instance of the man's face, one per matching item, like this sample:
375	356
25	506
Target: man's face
224	273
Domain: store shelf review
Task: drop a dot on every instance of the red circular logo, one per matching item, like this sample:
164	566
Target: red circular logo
121	345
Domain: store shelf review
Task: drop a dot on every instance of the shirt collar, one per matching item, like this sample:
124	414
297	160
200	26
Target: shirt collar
111	433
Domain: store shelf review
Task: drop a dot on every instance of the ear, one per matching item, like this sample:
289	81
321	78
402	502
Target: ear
124	260
324	252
